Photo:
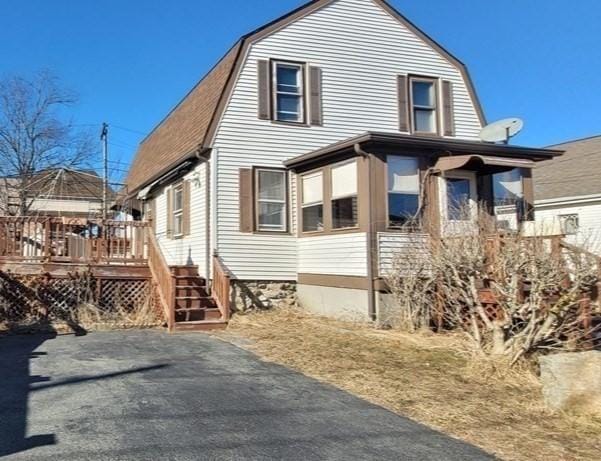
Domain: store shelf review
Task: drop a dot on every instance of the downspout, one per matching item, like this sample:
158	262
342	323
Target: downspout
371	292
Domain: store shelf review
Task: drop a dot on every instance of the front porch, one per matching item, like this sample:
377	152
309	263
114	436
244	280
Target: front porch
120	260
383	194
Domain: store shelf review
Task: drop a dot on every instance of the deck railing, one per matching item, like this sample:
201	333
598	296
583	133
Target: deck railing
164	278
73	240
221	287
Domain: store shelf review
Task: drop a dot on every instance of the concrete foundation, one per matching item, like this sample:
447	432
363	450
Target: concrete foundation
340	303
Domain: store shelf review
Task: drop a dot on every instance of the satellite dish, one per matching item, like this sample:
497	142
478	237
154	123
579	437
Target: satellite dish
502	130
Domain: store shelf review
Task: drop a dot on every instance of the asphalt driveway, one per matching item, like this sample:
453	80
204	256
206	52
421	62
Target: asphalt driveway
147	395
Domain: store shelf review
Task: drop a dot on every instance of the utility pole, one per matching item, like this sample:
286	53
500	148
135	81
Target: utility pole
104	134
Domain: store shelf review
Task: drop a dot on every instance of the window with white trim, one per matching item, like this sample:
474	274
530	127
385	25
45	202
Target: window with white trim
344	195
403	190
178	210
312	206
424	105
289	94
272	203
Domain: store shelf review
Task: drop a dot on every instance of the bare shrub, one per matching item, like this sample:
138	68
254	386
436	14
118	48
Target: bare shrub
511	295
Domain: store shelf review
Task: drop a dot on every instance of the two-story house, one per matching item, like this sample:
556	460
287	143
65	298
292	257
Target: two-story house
301	157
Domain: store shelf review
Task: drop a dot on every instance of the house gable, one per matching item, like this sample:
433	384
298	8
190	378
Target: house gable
194	121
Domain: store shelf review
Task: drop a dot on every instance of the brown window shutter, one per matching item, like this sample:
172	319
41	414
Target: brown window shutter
316	117
447	104
186	210
403	96
169	199
246	200
264	90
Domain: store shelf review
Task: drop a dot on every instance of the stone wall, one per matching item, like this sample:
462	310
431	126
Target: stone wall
259	294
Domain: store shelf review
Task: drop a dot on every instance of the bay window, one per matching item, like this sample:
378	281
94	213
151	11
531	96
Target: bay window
403	190
312	204
271	200
344	195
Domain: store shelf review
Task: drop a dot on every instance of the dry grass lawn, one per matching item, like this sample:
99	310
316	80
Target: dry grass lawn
427	378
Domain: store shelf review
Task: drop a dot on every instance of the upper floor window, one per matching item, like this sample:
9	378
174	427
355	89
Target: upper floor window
312	206
271	200
403	190
424	105
344	195
289	94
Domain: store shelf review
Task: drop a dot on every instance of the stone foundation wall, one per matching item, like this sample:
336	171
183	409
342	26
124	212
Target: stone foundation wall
257	294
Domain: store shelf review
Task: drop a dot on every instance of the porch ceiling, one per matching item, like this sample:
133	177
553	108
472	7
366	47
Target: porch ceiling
375	141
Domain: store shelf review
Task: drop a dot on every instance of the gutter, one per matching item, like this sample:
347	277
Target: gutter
371	292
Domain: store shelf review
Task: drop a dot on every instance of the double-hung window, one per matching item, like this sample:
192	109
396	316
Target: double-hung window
271	200
178	210
312	206
289	92
344	195
403	190
424	105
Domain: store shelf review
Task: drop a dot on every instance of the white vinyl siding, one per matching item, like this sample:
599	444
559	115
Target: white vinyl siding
344	254
360	49
189	249
589	222
392	245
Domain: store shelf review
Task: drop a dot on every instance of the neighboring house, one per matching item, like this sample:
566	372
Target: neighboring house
568	193
302	156
56	192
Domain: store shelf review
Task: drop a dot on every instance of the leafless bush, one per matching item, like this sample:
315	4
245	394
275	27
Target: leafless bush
511	295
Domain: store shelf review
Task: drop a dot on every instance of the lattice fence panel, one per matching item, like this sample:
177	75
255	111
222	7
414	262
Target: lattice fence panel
126	294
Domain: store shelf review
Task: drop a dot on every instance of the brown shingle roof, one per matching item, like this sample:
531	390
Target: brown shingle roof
185	127
575	173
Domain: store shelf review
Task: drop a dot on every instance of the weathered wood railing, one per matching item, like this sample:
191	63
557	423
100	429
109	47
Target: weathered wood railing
164	278
73	240
221	287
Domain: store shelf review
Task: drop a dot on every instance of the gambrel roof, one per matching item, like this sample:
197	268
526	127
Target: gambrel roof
189	127
574	174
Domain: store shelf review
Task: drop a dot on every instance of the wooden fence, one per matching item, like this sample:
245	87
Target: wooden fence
73	240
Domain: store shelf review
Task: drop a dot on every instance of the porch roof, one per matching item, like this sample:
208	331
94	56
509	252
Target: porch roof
443	147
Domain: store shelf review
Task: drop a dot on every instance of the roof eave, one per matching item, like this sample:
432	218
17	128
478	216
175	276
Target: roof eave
453	146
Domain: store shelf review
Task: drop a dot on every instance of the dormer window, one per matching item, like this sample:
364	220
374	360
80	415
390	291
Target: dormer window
424	105
288	90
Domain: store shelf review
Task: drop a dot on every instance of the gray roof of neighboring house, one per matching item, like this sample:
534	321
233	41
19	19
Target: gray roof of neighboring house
575	173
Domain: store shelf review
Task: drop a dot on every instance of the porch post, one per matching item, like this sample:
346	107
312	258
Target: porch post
528	191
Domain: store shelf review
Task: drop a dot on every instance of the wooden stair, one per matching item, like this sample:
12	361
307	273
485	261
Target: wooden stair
195	309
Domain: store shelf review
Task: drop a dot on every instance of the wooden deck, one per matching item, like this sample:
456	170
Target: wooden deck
115	251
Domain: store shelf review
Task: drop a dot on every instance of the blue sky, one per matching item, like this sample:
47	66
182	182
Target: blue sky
132	60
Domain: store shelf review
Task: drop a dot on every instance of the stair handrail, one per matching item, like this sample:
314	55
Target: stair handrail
164	278
221	287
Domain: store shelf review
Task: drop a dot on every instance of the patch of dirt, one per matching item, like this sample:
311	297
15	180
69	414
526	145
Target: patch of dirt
429	378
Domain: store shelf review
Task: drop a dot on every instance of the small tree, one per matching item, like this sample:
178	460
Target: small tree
34	135
535	289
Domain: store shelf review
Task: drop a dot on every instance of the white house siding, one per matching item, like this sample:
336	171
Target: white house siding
589	217
360	49
344	254
190	249
396	245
